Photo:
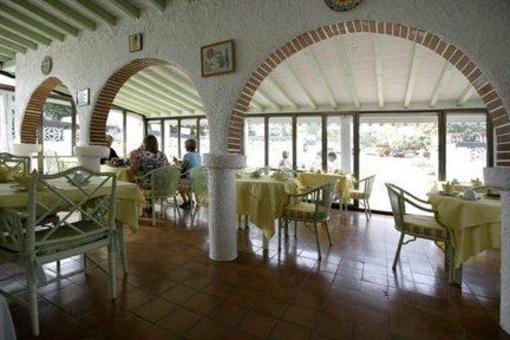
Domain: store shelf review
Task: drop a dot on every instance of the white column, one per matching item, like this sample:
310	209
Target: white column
89	156
499	177
346	146
222	204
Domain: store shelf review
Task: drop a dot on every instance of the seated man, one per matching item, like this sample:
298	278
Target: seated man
113	154
190	160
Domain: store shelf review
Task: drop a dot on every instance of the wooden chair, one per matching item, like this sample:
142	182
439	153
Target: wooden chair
363	193
312	206
199	179
11	166
163	185
87	224
421	226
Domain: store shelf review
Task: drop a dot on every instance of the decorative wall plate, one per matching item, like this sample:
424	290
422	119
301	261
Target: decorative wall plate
46	65
342	5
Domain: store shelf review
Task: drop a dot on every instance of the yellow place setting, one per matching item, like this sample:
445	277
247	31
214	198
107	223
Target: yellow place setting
262	200
476	223
121	172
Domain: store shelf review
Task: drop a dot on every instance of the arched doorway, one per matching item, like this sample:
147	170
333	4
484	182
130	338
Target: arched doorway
446	50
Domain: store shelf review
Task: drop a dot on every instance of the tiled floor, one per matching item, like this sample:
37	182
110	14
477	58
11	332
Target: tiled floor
174	291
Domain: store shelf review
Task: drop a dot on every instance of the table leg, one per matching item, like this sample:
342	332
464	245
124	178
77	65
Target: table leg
123	250
265	242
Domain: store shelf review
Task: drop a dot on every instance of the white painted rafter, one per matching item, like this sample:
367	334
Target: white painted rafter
256	105
344	62
444	77
282	91
378	72
416	56
319	74
465	95
173	86
287	67
260	92
144	92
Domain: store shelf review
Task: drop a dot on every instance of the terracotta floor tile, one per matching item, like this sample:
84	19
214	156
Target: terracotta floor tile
286	330
301	316
178	293
257	324
200	303
227	313
179	320
154	309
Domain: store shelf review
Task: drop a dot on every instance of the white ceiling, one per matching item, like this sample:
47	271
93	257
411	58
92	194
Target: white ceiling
340	74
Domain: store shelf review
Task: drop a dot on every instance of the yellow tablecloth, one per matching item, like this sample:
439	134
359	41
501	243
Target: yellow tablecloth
262	199
476	224
344	182
121	172
129	204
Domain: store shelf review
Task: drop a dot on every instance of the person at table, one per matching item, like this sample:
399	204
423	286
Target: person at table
332	166
285	162
190	160
145	159
113	155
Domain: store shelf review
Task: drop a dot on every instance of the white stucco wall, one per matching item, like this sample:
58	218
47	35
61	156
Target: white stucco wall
480	28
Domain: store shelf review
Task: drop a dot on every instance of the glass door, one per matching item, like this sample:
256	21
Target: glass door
401	149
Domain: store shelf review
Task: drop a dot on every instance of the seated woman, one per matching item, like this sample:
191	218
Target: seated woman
190	160
113	155
145	159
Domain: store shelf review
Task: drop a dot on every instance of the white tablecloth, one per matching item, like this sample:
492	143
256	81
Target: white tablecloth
7	331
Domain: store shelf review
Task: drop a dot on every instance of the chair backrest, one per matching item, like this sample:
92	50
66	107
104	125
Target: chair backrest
51	164
368	185
80	196
322	197
199	179
18	165
164	181
397	205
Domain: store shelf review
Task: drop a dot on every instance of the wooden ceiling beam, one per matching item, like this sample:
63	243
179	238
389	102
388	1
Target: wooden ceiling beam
49	18
174	75
146	91
319	74
15	28
465	95
127	7
344	62
150	99
256	105
17	39
444	77
39	26
416	56
287	67
264	95
102	14
379	71
135	106
150	74
127	96
72	14
12	46
7	52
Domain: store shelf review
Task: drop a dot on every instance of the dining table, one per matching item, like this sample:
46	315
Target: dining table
129	202
262	200
476	224
7	330
344	184
121	172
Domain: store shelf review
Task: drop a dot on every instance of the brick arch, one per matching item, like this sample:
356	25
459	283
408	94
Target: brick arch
32	119
108	93
448	51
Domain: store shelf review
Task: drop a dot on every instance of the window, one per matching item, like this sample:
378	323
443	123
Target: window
171	139
466	146
280	140
340	143
309	143
134	132
400	149
254	140
204	136
115	128
188	130
154	128
57	128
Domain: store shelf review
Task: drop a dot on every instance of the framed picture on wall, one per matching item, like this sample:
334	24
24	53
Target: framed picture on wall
135	42
83	97
218	58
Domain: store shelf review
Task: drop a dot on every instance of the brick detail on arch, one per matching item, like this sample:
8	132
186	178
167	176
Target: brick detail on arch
108	93
32	119
456	57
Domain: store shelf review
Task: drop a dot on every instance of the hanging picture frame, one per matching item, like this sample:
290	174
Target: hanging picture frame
135	42
83	97
218	58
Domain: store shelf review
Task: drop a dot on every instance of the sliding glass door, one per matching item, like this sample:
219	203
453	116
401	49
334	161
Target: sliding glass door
399	149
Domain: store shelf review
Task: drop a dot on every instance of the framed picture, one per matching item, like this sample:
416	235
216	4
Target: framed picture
218	58
83	97
135	42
